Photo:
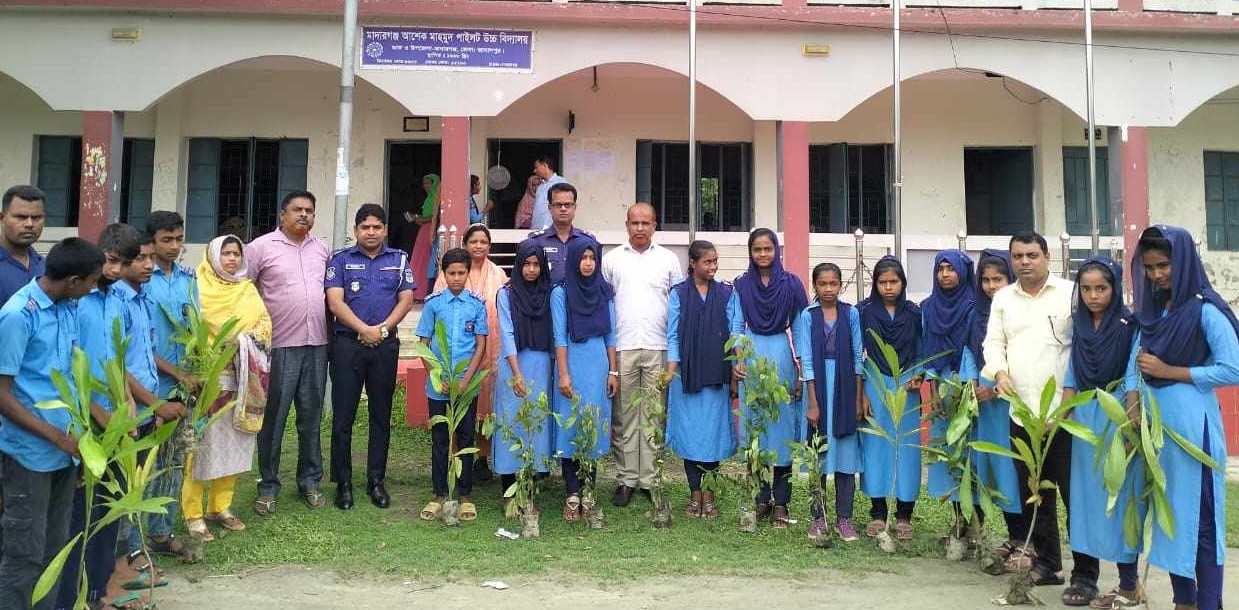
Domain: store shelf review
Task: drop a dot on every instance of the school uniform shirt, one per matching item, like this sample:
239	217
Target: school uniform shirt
290	276
97	315
642	282
1029	337
140	328
38	336
371	285
14	275
170	296
464	317
557	251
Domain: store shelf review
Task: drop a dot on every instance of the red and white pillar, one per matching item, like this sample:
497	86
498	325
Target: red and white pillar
793	139
102	153
454	190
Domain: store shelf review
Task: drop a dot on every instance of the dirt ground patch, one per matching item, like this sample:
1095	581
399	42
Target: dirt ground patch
931	584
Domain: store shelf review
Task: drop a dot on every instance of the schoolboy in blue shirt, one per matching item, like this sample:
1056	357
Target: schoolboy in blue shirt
38	329
464	317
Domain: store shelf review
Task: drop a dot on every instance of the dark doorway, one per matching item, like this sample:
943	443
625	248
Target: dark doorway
998	190
517	156
407	163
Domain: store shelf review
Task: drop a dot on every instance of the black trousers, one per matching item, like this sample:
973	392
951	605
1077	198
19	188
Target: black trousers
1045	535
37	507
439	449
354	366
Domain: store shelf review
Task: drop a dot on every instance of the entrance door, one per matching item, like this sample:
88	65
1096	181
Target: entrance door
998	190
407	163
518	157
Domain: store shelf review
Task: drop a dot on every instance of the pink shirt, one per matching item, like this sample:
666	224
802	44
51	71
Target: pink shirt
290	279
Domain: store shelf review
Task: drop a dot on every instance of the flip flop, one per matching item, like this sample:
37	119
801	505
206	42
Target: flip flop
143	582
126	602
314	498
431	511
265	506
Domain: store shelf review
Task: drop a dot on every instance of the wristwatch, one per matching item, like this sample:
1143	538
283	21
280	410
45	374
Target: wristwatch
383	331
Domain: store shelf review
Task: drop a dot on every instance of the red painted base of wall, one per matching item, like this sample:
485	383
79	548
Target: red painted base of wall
416	409
1229	399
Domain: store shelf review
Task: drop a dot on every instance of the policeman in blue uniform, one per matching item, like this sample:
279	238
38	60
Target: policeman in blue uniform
554	239
21	217
369	291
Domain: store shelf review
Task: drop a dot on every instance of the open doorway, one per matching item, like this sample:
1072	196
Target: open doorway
517	156
998	190
407	162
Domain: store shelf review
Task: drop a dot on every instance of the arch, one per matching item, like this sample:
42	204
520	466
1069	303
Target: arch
23	84
1206	96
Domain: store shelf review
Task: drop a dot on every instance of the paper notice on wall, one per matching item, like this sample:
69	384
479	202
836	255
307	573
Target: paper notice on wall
341	174
591	156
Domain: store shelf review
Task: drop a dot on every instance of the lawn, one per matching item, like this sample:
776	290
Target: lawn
394	543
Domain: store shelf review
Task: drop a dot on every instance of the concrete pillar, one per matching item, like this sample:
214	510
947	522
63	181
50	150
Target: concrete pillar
765	176
1129	181
454	191
103	135
171	165
1049	213
794	195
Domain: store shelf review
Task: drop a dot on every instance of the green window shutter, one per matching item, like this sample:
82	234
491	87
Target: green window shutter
55	177
141	181
202	195
294	157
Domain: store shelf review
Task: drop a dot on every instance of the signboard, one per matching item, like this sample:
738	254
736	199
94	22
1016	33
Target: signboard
452	49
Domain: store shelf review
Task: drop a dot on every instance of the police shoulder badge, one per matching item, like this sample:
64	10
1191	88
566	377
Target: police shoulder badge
331	273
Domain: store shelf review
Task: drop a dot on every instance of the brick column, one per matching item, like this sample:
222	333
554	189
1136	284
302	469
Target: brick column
455	186
102	151
794	196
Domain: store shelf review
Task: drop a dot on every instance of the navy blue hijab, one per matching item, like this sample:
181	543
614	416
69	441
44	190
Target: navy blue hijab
843	416
530	301
980	312
703	329
770	308
1177	337
588	299
902	331
1099	355
946	311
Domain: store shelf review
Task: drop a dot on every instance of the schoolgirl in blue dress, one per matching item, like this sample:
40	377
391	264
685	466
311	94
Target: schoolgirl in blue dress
700	423
897	322
771	299
833	359
1188	347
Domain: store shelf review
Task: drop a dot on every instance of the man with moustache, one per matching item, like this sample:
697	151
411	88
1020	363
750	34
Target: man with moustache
21	218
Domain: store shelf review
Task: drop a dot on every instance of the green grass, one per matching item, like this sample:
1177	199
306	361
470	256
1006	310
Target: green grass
394	543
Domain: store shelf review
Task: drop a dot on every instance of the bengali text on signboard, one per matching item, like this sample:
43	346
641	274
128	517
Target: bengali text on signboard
428	48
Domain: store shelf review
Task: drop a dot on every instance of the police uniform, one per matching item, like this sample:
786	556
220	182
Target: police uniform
371	287
14	275
556	250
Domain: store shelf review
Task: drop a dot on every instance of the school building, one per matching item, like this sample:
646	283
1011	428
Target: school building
216	108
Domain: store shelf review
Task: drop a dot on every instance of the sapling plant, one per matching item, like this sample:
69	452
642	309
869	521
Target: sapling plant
449	379
652	400
807	457
763	393
110	460
585	419
520	431
208	352
1041	425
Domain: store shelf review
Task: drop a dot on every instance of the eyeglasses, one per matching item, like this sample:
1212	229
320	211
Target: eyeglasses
563	206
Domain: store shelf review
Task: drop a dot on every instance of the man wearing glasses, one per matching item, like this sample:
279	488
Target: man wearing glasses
1028	341
554	239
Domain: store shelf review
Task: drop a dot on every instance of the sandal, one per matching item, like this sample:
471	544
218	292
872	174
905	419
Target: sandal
572	508
903	530
314	498
168	546
780	518
130	601
265	506
1041	579
226	520
693	510
875	527
1118	598
431	511
763	511
708	508
198	527
1080	593
468	511
149	575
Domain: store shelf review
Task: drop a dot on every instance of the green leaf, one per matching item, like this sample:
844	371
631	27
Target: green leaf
51	575
1161	508
1115	466
1047	395
93	456
1192	450
1078	430
1113	410
1131	525
988	447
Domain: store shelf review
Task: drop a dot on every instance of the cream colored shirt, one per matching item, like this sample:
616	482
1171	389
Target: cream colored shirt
1029	337
642	282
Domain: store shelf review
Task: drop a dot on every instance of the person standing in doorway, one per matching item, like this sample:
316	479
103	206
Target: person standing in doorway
1028	342
642	274
524	209
22	219
478	210
369	291
289	265
543	214
555	239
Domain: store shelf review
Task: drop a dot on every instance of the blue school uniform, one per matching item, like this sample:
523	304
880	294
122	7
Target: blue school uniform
38	336
844	453
170	296
464	317
778	348
588	366
1093	532
994	426
877	453
97	313
700	425
140	327
535	366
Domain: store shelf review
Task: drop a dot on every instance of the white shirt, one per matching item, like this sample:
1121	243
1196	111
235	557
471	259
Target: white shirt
642	282
1029	337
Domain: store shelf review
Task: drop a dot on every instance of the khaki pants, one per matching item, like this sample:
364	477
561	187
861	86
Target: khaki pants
630	440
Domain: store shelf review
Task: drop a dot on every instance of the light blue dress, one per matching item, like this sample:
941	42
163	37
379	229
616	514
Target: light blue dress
843	454
877	453
536	369
588	367
993	425
778	348
1092	532
940	481
700	425
1188	408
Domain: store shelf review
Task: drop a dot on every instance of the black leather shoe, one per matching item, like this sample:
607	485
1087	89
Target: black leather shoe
378	495
344	496
648	495
481	470
623	495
